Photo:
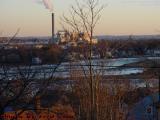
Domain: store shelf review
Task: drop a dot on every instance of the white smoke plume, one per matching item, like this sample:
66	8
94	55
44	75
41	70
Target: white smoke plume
48	4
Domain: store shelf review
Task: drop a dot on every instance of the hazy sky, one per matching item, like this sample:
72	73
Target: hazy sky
120	17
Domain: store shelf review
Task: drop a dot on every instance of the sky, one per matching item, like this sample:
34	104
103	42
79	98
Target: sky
119	17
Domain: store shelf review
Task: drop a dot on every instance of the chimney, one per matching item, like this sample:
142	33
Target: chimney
52	27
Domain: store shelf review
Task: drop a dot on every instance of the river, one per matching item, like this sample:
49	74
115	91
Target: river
108	67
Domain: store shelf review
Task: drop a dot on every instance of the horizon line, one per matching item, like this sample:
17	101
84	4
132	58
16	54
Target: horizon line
94	35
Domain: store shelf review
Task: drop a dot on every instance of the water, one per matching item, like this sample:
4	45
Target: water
102	67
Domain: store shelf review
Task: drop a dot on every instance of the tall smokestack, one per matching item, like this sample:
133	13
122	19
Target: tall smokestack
53	27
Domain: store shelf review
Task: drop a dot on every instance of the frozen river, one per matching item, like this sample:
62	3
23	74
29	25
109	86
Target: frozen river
105	67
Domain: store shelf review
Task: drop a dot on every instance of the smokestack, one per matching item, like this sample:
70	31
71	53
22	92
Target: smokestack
53	27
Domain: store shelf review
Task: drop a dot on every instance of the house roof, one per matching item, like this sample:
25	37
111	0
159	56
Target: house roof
144	109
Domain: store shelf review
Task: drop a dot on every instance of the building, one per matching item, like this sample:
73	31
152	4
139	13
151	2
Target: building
145	109
36	61
63	36
42	109
86	37
72	38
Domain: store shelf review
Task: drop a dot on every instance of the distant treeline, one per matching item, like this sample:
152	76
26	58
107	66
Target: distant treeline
147	44
128	47
24	55
104	48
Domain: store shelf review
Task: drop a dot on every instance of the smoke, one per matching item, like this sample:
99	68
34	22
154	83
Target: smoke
48	4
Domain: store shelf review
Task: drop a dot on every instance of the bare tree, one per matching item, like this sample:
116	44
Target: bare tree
105	100
84	17
21	84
